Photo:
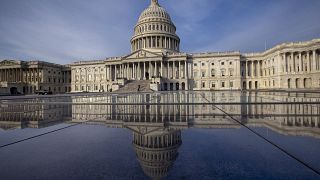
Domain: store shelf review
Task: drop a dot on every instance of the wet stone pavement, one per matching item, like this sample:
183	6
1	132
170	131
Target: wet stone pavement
169	135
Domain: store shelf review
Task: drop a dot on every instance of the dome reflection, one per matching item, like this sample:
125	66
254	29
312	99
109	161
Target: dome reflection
157	150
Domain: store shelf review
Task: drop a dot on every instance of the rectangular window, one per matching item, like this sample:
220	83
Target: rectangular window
222	84
231	84
203	84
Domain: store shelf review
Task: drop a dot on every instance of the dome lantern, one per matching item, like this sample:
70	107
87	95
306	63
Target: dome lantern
154	3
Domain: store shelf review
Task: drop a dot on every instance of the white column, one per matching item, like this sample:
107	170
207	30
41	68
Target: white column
155	69
293	62
139	71
161	68
173	69
134	70
285	63
179	74
149	69
258	68
300	63
107	73
124	70
152	44
131	70
115	72
127	69
314	64
144	70
313	61
168	69
308	61
185	70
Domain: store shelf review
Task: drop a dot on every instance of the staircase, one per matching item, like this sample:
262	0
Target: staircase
133	85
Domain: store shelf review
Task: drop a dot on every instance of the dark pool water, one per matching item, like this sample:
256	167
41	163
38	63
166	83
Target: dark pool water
173	135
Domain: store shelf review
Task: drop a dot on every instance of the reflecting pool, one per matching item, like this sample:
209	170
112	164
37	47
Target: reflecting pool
170	135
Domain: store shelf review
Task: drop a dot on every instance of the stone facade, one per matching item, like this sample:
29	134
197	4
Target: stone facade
21	77
156	58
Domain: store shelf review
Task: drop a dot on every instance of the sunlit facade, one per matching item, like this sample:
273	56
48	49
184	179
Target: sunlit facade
156	62
156	58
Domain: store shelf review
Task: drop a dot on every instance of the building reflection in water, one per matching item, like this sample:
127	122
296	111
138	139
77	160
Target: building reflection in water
156	149
157	127
33	114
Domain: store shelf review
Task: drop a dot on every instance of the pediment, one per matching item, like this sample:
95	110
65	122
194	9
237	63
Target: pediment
142	54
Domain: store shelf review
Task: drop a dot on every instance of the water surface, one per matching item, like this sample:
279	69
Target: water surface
172	135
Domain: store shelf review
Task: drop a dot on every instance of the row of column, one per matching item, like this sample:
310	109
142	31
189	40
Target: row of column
167	140
305	61
140	70
155	42
11	75
254	68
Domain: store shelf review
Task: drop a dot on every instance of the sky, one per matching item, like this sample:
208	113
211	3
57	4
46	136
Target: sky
65	31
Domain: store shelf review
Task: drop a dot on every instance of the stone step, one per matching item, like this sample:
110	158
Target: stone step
132	86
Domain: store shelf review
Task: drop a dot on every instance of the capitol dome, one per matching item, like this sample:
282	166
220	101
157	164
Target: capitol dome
154	11
155	31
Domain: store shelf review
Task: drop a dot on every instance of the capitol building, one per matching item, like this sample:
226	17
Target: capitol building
156	63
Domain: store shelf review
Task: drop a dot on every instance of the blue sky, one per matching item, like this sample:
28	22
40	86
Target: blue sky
64	31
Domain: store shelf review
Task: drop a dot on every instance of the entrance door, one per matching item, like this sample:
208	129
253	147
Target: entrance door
165	86
177	86
244	85
147	75
183	86
13	91
171	86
